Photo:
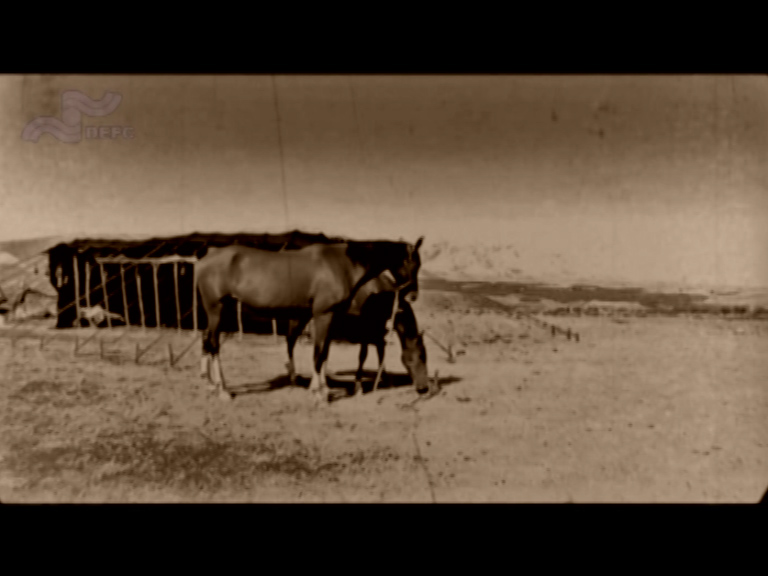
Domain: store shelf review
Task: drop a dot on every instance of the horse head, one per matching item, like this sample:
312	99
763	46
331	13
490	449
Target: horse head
406	270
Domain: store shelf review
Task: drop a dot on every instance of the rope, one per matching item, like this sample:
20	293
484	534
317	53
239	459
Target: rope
389	326
280	145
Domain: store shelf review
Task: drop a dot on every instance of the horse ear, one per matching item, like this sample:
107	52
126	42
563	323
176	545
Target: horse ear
418	242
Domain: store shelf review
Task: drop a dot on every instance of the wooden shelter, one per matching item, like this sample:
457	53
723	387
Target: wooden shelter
151	283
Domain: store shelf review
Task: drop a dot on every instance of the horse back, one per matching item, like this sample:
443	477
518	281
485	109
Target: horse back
272	280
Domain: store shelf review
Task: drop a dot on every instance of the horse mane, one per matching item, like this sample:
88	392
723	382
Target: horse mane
368	252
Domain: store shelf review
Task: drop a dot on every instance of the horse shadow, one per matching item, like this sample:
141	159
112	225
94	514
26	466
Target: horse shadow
339	387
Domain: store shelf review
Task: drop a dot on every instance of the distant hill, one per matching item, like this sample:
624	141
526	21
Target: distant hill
23	249
496	263
6	258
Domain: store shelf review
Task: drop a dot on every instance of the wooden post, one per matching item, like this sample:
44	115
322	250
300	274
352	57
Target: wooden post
76	275
194	296
106	296
157	294
141	297
176	290
239	320
125	295
87	283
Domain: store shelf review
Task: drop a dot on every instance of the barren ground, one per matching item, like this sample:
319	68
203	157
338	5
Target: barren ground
639	410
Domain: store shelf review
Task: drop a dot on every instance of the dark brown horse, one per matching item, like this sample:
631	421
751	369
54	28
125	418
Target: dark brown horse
315	282
365	324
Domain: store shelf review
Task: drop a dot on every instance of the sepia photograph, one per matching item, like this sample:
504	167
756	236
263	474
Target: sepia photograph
382	288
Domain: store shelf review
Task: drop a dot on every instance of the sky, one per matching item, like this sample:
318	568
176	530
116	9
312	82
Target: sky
658	178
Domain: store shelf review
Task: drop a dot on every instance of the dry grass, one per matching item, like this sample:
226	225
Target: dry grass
641	410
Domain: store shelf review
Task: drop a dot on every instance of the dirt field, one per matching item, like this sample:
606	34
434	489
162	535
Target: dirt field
640	410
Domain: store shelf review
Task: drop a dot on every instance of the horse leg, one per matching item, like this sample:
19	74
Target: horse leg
318	386
359	376
212	346
295	328
205	361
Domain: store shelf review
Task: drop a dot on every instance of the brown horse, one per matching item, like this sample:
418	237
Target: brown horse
365	324
316	281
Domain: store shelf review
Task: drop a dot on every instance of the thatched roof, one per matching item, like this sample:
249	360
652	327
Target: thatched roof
614	305
195	244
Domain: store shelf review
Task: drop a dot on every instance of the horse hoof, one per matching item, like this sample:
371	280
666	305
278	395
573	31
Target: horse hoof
225	396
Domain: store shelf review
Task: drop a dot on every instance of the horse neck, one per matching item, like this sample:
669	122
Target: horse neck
373	257
370	260
405	324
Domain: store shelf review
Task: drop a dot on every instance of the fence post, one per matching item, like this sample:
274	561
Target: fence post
87	283
194	295
239	320
76	275
157	294
176	290
125	295
106	295
141	297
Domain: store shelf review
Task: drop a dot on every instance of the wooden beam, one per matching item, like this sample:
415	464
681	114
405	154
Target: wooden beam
106	296
162	260
125	295
157	294
76	275
176	291
141	298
